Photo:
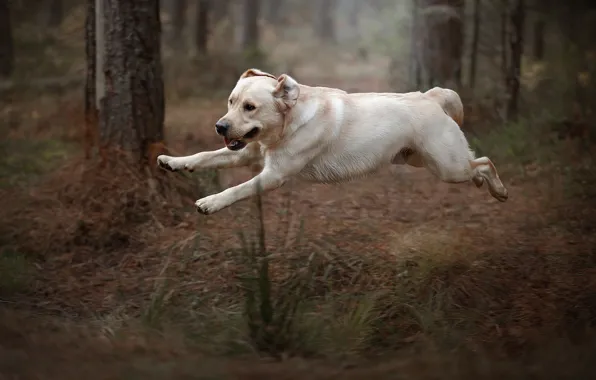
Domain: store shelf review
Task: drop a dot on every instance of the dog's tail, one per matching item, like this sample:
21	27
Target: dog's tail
449	101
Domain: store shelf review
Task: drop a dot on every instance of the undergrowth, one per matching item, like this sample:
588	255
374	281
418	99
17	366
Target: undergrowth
16	272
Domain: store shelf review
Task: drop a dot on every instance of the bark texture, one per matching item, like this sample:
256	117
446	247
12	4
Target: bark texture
90	98
6	40
132	113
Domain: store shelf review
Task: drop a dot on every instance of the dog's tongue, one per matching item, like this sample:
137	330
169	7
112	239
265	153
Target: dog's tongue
226	141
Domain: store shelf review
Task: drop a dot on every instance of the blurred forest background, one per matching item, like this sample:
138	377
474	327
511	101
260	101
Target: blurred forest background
107	271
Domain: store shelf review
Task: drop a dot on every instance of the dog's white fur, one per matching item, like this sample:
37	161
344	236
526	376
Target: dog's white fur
327	135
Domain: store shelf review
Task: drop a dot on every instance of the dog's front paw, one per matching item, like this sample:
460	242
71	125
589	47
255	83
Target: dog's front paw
209	205
172	164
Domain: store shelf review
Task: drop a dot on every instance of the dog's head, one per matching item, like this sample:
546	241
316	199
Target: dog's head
256	108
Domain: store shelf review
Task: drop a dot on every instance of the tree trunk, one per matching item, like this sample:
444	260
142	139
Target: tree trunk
441	35
132	115
6	40
414	48
90	85
55	13
100	54
250	35
221	10
516	44
353	15
178	17
457	37
324	20
202	26
538	51
474	48
504	29
273	12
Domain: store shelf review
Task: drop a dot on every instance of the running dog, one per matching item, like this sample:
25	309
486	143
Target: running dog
326	135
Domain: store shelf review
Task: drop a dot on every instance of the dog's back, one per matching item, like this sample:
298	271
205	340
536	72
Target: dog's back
448	99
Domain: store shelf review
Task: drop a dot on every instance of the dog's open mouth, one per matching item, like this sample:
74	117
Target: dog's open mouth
234	144
237	144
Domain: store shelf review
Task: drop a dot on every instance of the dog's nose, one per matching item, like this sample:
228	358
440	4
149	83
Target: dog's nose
221	127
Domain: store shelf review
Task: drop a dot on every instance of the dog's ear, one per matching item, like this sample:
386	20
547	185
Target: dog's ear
256	73
287	90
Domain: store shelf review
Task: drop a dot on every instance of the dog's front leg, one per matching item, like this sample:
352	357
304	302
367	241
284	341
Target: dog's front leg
217	159
267	180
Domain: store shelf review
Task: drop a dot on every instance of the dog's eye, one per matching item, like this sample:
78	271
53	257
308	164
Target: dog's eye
249	107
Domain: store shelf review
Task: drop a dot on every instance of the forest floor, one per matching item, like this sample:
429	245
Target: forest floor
103	277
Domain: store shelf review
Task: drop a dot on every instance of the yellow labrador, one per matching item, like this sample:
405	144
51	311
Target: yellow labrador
327	135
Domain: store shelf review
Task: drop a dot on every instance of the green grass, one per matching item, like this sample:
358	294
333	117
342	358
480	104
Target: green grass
25	160
15	272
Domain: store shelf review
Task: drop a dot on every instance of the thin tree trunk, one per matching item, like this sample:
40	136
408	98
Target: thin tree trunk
353	18
504	47
273	12
179	8
6	40
90	85
474	48
55	13
133	113
221	9
457	41
538	51
202	26
250	35
516	43
414	48
100	52
325	21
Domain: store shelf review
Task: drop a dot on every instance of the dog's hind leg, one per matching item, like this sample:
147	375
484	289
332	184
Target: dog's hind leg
450	159
484	168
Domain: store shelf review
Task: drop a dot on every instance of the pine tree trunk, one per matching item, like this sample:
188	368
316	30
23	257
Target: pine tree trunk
6	40
504	31
272	15
55	13
132	115
202	26
538	51
475	39
250	36
516	44
178	17
221	9
441	33
324	20
414	48
90	84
